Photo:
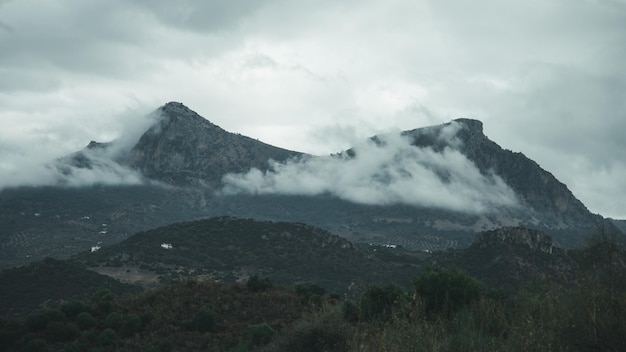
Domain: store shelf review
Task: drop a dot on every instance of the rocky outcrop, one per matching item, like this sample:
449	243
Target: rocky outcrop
510	256
547	203
510	237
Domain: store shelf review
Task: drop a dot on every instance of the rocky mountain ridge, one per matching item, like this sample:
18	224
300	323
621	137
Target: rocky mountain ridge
184	149
189	156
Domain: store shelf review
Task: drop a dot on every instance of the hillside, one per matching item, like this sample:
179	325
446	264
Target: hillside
444	307
184	149
50	282
512	256
230	249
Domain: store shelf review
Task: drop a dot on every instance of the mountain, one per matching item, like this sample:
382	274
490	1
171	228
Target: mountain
175	172
621	224
184	149
551	203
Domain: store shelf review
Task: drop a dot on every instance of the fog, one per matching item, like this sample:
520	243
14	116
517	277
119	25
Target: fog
385	170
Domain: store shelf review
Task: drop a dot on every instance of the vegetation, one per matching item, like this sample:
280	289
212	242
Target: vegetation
445	309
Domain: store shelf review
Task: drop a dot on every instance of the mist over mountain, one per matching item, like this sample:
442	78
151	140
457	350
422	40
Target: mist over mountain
388	169
428	188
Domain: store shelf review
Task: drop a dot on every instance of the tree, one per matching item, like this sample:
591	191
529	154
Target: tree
379	302
446	290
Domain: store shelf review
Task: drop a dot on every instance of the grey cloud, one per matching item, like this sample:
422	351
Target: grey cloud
202	16
5	27
385	170
93	166
34	164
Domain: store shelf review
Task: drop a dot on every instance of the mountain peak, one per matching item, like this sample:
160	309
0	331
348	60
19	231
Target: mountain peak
471	124
184	148
174	107
178	112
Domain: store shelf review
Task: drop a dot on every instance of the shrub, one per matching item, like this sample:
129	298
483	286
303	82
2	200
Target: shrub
445	291
350	311
204	320
61	332
73	308
85	321
328	333
107	337
113	321
257	335
38	321
132	325
310	293
103	301
164	345
256	284
36	345
379	302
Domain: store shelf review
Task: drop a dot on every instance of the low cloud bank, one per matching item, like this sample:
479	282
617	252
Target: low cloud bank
31	164
382	171
94	165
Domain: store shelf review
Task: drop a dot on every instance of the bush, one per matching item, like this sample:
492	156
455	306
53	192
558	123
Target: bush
85	321
39	320
73	308
204	320
103	301
350	311
326	333
379	302
257	335
165	345
61	332
107	337
36	345
113	321
132	325
310	293
445	291
256	284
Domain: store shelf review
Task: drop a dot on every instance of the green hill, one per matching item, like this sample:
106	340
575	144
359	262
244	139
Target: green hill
229	249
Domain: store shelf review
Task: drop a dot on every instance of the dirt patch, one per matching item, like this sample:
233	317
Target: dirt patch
130	275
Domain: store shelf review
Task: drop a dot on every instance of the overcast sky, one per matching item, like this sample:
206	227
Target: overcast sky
546	77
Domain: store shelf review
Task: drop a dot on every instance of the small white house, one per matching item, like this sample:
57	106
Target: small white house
166	245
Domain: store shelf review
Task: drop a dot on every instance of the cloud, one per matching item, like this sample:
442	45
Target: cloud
37	162
537	73
385	170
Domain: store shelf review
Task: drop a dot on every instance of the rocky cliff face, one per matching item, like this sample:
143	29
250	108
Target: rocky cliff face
549	203
183	148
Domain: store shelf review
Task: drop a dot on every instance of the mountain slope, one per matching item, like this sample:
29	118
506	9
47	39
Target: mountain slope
50	282
512	256
228	249
183	148
553	204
